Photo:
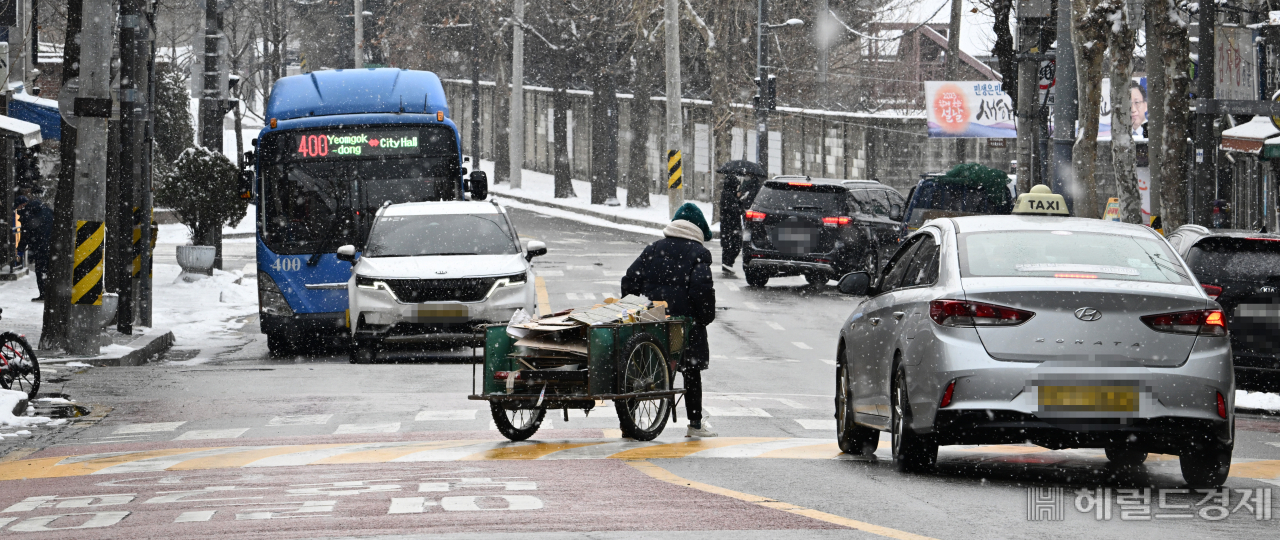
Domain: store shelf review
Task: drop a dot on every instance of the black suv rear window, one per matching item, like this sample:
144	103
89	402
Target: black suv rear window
809	198
1219	259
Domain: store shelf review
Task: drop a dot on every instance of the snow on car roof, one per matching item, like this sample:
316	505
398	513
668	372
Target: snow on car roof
441	207
1046	223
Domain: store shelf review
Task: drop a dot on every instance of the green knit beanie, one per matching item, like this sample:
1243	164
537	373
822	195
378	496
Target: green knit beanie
691	213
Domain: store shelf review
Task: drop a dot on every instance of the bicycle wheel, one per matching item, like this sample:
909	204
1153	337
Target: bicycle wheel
644	370
516	424
19	369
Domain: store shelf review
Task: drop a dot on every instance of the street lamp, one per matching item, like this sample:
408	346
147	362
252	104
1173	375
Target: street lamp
766	90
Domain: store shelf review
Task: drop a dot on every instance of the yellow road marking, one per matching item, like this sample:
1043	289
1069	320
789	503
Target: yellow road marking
1269	469
1005	449
815	451
49	468
544	299
383	455
18	453
658	473
682	449
525	451
240	459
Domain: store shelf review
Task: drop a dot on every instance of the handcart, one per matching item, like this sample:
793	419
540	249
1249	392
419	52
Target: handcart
631	364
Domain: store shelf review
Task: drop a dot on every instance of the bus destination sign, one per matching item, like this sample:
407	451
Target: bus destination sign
356	143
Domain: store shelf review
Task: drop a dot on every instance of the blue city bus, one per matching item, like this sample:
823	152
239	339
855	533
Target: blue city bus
338	145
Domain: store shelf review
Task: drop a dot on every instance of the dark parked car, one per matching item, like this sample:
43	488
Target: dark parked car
820	228
940	196
1241	270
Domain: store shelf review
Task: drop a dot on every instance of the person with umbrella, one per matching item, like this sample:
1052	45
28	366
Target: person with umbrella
737	174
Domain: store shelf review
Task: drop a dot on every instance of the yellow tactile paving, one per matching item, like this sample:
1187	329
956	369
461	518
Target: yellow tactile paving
49	467
526	451
682	449
383	455
240	459
815	451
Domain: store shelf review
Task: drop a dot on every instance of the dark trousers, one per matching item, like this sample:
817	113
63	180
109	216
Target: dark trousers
730	242
693	396
41	263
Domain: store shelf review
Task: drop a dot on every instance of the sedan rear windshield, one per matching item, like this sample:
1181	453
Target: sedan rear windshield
452	234
1068	254
1216	260
807	198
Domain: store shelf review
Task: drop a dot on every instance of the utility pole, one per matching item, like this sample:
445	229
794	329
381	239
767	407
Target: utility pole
675	122
764	85
822	27
1064	107
359	48
515	139
213	105
134	78
475	87
953	41
92	108
145	234
1200	189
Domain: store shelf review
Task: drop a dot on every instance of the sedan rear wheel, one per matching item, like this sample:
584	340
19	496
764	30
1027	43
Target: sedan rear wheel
852	438
1205	466
911	452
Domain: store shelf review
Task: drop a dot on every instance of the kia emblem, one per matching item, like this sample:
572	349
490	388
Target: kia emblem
1088	314
442	271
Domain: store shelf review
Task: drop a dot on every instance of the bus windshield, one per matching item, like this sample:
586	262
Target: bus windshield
322	186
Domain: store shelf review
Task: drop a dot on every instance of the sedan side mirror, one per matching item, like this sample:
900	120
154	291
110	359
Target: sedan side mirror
347	253
478	185
536	248
855	283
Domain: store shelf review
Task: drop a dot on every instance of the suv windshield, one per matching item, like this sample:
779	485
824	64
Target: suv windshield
808	197
1216	260
933	199
1068	254
449	234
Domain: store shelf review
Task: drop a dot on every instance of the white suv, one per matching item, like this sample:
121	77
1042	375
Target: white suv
435	271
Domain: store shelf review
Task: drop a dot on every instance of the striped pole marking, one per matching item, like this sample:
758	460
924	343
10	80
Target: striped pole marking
674	171
137	242
86	274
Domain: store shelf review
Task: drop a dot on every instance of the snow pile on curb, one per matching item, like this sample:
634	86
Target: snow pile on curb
204	314
1258	400
8	400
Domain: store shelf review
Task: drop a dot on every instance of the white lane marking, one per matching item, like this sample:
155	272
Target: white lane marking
309	456
802	345
301	420
546	423
380	427
751	306
607	411
199	515
549	273
571	296
755	449
409	505
737	411
161	463
200	434
1275	444
774	325
462	414
792	404
822	423
148	428
828	362
615	273
588	296
732	286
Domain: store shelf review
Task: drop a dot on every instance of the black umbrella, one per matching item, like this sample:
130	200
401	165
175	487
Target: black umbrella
742	167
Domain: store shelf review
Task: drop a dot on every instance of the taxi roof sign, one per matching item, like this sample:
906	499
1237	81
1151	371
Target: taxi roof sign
1041	201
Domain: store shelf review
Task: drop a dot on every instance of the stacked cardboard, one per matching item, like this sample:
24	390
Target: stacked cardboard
563	335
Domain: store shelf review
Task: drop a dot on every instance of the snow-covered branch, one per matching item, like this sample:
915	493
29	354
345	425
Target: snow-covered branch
701	24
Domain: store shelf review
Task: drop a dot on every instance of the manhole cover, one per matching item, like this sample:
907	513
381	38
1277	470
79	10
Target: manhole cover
57	406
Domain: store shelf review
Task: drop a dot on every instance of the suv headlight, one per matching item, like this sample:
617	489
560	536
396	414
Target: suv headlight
508	281
371	283
270	300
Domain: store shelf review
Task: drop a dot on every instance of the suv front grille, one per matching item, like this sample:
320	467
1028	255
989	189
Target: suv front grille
436	290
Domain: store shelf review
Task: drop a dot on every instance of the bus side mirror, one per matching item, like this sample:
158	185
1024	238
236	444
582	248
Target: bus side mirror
855	283
478	186
244	184
536	248
347	253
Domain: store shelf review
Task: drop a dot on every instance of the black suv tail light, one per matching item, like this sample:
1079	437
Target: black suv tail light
1213	291
756	216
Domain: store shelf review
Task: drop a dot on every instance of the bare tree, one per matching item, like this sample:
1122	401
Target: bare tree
646	35
1171	21
1089	39
1121	42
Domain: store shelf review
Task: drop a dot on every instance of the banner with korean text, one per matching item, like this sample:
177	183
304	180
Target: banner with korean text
970	109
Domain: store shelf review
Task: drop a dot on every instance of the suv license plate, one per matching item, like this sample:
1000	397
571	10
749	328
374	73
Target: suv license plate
441	313
1120	398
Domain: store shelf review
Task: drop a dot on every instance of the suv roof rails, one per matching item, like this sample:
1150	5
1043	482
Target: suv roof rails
1197	228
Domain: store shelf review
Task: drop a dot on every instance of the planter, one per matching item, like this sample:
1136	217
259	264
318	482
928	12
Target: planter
197	259
110	301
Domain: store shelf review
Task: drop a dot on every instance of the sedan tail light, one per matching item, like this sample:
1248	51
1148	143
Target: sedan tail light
961	313
946	397
841	221
1222	406
755	216
1209	322
1213	291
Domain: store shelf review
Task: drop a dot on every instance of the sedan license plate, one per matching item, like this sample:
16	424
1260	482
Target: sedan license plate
440	313
1103	398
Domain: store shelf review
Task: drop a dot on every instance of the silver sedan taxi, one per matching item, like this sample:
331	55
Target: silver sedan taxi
1034	327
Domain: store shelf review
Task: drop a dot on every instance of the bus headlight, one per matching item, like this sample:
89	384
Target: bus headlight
270	300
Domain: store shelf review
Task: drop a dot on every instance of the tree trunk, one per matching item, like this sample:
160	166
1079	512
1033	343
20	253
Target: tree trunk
1175	47
1155	102
721	112
1123	157
641	106
604	135
501	103
1088	37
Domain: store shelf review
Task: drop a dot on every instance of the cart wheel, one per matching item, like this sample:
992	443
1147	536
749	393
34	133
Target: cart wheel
19	369
644	370
516	424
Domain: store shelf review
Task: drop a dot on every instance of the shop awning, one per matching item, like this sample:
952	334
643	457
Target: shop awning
27	132
1250	136
40	111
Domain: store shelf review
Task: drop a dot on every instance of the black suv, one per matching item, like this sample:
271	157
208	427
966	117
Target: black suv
1241	270
820	228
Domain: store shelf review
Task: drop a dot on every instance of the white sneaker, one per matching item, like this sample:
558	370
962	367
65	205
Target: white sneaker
704	431
728	270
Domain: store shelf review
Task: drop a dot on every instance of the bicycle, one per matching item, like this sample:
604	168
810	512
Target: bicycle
19	368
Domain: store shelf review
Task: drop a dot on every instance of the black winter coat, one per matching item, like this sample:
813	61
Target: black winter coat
678	271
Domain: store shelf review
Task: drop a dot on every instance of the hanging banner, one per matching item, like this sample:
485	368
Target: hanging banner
1235	63
969	109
